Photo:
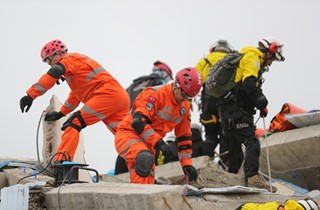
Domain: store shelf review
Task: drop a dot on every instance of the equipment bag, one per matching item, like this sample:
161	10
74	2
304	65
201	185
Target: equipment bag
220	80
141	83
279	122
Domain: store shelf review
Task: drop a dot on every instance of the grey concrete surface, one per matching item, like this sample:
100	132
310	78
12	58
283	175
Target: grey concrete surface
118	196
293	156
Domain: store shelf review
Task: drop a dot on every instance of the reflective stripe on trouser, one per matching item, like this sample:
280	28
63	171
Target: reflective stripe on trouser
108	107
128	146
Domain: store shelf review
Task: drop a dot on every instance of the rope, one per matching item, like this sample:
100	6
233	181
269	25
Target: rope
186	188
37	138
267	149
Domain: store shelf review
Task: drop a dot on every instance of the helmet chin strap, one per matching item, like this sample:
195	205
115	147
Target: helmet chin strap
264	63
265	58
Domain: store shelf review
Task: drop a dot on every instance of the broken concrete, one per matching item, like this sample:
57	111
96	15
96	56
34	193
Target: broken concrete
16	176
285	151
115	195
118	196
294	156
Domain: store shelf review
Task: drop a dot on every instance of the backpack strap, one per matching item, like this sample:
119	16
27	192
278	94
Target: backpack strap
207	61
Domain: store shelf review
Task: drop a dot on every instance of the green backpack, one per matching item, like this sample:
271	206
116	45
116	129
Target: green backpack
220	80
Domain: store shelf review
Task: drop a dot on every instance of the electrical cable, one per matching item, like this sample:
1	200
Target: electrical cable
63	153
37	137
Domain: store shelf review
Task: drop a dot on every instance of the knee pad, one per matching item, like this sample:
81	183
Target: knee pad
70	123
144	163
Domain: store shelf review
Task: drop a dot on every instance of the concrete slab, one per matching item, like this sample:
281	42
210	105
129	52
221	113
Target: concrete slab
118	196
3	180
294	156
15	174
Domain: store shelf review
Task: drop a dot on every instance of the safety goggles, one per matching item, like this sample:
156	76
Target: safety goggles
185	95
49	59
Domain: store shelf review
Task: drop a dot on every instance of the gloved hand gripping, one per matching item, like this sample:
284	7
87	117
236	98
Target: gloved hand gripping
138	122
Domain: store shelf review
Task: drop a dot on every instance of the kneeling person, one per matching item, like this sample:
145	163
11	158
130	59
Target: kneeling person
155	112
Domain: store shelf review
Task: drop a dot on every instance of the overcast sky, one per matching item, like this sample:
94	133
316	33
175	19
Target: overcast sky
126	37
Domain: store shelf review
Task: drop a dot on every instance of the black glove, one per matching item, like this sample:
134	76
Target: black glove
53	116
264	112
261	102
138	122
25	101
165	148
191	172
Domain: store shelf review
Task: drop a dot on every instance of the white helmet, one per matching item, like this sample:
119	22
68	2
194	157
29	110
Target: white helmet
273	46
222	46
309	204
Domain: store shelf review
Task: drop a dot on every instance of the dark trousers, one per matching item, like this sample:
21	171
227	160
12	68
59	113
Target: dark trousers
237	129
210	119
121	166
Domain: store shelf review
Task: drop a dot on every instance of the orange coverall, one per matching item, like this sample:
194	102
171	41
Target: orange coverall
102	96
160	106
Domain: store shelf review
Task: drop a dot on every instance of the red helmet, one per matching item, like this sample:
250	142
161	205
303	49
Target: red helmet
189	80
163	66
51	47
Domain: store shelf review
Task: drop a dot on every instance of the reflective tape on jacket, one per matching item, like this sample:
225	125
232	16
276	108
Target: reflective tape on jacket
165	114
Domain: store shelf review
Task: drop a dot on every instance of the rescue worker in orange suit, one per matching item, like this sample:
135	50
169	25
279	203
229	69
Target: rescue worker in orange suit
155	112
238	108
209	117
161	74
90	84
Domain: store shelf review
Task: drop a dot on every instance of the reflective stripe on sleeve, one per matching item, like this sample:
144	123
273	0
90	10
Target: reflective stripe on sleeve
94	73
184	155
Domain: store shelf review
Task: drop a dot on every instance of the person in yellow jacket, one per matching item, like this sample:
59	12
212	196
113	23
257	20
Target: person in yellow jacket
155	112
237	110
90	84
304	204
209	104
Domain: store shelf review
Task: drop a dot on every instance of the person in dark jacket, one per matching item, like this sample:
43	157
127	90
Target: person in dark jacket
209	104
238	108
161	74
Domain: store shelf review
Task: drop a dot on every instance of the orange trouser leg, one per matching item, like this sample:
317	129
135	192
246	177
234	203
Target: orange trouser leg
109	105
69	144
129	145
115	106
